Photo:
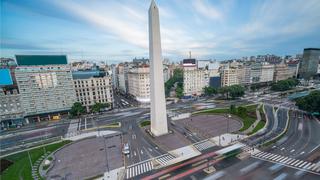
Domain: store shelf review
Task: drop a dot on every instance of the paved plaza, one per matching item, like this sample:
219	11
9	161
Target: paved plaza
87	158
207	126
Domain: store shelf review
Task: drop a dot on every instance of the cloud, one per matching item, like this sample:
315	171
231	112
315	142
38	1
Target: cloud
207	10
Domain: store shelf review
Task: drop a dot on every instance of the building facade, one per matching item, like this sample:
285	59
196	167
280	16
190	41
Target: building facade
91	89
139	83
194	81
45	84
229	76
308	66
281	72
267	71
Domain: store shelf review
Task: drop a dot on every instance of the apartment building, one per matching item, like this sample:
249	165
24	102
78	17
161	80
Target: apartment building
229	76
267	71
45	84
139	83
281	72
93	87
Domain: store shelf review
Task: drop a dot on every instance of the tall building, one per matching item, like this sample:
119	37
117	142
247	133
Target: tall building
267	71
281	72
159	124
255	74
92	87
229	76
139	83
122	76
11	112
309	64
45	84
194	81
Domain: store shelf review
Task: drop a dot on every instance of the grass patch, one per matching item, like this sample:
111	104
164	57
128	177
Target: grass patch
145	123
259	126
21	165
248	118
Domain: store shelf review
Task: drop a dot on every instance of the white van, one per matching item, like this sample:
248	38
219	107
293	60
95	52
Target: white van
126	149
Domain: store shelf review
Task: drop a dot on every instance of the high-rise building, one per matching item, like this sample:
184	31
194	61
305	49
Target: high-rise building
139	83
45	84
267	71
255	74
281	72
194	81
229	76
308	65
92	86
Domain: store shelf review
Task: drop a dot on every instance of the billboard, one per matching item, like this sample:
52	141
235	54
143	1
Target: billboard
5	77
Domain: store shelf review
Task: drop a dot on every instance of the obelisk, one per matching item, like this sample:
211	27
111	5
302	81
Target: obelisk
159	125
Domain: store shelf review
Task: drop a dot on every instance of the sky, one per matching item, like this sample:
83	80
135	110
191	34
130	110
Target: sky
117	30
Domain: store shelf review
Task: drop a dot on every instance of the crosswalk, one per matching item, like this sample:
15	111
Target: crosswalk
164	159
288	161
137	169
246	148
204	145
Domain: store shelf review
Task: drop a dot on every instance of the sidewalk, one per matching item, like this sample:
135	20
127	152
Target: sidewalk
250	129
90	134
227	139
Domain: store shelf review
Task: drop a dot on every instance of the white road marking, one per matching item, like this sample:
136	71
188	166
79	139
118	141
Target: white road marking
283	149
292	150
302	152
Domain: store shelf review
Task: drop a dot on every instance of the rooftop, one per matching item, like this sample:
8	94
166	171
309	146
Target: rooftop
36	60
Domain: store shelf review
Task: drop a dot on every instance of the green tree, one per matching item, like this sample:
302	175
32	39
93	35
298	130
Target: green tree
284	85
310	103
97	107
236	91
176	78
233	109
209	91
179	92
223	91
77	109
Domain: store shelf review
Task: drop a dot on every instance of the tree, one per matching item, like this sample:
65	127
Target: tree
284	85
179	92
98	106
236	91
176	78
233	109
310	103
209	91
77	109
223	91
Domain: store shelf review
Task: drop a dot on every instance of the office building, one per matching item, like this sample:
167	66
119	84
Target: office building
267	71
92	87
229	76
281	72
45	84
309	64
139	83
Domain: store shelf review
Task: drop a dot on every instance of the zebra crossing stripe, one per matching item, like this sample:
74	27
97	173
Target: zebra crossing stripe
299	163
307	166
311	167
259	154
283	160
282	157
268	156
295	162
275	157
315	167
289	162
303	164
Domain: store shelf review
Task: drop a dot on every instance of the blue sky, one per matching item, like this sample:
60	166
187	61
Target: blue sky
117	30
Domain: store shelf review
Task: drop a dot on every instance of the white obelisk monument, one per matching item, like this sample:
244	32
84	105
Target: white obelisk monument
159	125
